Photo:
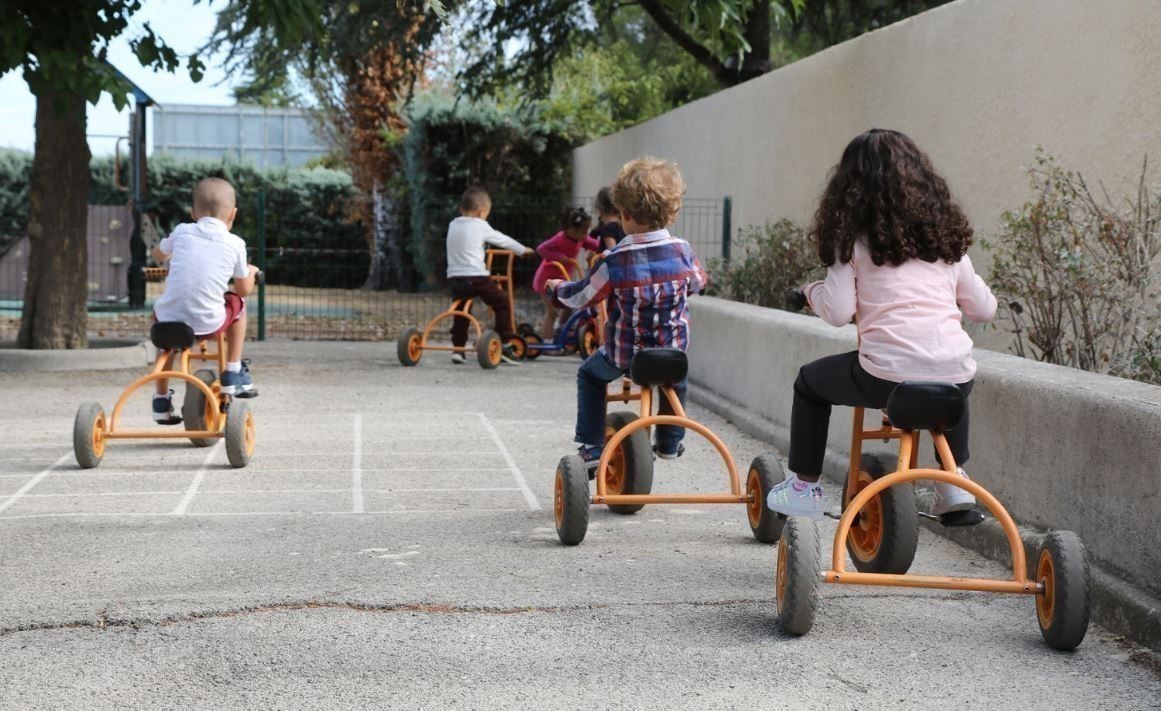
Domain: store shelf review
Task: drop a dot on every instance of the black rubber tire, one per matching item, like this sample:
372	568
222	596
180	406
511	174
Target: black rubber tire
238	420
485	352
582	340
531	353
526	330
1066	626
193	406
638	459
765	473
900	536
519	346
403	347
570	502
89	417
797	593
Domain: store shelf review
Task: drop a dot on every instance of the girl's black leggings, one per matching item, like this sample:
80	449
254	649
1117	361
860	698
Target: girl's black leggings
840	380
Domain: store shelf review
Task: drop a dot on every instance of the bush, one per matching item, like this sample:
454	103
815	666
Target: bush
779	257
451	145
1080	275
305	209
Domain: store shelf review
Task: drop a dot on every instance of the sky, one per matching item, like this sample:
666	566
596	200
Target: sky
182	24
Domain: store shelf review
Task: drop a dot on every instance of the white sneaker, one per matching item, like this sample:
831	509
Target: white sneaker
458	358
949	497
794	497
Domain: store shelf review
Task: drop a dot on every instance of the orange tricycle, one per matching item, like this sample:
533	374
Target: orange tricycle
624	474
488	346
878	525
207	414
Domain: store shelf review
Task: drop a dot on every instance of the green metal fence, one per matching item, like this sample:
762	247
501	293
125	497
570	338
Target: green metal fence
316	294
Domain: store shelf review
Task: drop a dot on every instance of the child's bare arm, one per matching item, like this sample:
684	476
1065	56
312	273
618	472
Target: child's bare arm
244	285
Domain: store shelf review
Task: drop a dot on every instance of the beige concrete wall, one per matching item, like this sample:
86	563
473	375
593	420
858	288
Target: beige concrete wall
977	83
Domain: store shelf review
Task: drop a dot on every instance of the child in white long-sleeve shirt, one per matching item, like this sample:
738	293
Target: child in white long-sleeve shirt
895	247
467	238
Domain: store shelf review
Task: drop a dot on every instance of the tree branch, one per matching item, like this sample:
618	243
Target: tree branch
695	49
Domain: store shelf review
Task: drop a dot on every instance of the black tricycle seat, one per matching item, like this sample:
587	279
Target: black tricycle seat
925	406
172	335
653	367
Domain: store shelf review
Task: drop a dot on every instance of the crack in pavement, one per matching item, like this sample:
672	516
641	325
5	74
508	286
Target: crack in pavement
104	621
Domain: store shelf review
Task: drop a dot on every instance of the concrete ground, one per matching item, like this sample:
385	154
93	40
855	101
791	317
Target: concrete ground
392	544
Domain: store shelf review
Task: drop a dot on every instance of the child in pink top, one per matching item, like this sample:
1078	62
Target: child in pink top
562	247
895	247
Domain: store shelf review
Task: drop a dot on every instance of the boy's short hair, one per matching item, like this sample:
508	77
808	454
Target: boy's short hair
475	199
214	197
649	190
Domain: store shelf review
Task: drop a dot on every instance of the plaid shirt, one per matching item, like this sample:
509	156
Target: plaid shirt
647	279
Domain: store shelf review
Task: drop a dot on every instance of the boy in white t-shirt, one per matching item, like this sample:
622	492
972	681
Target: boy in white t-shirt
467	271
203	256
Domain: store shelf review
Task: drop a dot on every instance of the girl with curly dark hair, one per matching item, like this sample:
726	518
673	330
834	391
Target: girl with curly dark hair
895	247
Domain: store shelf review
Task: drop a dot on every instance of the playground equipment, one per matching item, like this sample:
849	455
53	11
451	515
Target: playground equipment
879	524
624	475
579	333
488	346
207	413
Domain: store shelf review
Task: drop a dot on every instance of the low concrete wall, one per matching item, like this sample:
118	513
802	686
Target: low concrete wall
1061	448
102	354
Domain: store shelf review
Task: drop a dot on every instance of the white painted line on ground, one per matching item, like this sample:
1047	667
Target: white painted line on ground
533	504
357	467
192	491
211	514
256	468
531	423
426	452
33	482
104	493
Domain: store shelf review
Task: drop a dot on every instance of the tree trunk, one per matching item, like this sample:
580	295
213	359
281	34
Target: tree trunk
58	261
756	62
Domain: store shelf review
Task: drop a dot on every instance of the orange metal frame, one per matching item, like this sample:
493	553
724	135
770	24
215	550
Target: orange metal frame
463	307
647	420
908	472
180	370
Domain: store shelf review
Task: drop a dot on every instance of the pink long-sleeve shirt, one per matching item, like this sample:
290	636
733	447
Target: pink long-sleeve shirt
909	321
559	248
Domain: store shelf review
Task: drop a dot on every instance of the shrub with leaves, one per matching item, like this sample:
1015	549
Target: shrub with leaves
1079	270
778	257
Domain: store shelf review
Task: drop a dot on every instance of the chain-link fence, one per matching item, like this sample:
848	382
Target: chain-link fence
317	294
315	282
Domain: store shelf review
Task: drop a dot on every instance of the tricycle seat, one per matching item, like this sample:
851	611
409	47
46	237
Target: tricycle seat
925	406
654	367
172	335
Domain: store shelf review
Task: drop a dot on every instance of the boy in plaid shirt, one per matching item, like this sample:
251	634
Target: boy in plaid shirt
647	279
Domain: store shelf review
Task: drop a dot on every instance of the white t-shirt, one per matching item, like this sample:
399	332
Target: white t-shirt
203	258
466	240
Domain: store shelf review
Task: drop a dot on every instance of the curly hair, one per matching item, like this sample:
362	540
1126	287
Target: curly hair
572	217
886	191
649	190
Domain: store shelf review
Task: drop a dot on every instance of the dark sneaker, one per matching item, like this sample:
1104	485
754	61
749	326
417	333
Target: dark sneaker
163	410
591	457
239	384
666	454
508	355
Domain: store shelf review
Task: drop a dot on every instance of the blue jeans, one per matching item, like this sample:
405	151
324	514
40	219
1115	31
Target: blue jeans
592	382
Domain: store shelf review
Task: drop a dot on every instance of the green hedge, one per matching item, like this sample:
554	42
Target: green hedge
305	210
450	145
